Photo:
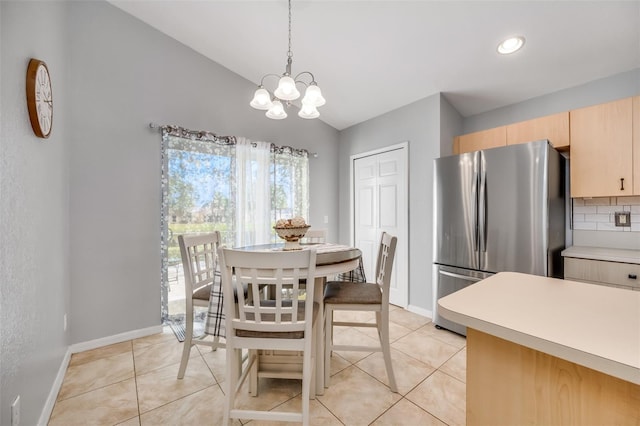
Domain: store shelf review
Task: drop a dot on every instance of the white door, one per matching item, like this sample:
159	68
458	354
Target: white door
380	203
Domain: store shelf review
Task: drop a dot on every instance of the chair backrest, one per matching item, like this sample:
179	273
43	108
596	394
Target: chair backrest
315	236
384	263
257	271
199	260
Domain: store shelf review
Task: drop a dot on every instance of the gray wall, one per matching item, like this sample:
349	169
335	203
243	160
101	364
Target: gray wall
34	210
418	123
123	79
599	91
81	211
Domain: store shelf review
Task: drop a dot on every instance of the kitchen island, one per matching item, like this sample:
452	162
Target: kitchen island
548	351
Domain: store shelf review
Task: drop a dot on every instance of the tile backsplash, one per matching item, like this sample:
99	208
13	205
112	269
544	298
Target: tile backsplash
598	214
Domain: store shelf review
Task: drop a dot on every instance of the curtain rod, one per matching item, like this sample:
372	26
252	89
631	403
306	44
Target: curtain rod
229	140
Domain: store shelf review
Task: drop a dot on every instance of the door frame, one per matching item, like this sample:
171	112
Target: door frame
403	240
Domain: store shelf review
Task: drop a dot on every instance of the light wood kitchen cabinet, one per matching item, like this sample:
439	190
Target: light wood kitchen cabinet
484	139
601	150
612	274
636	145
554	127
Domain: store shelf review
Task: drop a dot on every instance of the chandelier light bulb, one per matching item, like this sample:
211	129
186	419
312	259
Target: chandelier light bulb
287	90
313	96
308	111
276	112
261	99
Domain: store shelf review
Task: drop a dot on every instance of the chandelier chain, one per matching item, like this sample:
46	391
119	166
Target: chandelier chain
290	53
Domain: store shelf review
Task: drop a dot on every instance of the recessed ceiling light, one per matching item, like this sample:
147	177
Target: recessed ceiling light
511	45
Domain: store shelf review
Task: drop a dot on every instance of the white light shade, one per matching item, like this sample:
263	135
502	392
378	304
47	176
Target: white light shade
308	111
276	112
313	96
511	45
287	90
261	99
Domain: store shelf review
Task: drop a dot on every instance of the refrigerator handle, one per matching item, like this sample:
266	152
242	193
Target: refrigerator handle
474	194
482	229
462	277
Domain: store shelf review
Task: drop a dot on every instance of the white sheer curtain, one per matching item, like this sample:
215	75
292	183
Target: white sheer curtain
253	192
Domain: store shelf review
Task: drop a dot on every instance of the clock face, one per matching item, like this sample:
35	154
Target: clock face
39	98
44	100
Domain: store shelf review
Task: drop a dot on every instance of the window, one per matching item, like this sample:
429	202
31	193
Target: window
229	184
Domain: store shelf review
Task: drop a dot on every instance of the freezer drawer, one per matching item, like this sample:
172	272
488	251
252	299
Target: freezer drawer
449	280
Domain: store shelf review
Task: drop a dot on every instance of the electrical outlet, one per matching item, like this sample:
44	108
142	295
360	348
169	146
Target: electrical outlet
15	411
64	321
326	219
623	218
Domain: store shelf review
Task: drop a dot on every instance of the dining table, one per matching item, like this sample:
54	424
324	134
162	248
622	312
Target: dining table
331	259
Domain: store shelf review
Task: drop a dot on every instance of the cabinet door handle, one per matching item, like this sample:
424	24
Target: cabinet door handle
621	184
633	276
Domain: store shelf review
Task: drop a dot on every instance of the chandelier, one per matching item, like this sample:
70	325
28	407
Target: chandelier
287	91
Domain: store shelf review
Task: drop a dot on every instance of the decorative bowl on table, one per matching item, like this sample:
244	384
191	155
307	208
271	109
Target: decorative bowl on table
291	230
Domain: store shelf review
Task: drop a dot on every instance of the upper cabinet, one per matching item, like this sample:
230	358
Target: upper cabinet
484	139
601	150
636	145
554	127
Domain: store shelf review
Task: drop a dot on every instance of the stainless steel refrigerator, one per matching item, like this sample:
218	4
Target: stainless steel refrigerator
500	209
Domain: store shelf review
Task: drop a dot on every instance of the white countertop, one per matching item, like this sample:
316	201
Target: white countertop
601	253
591	325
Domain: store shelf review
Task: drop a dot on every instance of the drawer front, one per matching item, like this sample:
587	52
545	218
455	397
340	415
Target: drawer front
602	272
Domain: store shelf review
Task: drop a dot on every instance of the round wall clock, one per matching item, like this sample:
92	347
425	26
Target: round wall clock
39	98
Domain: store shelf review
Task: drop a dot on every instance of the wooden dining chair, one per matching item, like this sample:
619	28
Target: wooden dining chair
353	296
314	236
273	325
200	264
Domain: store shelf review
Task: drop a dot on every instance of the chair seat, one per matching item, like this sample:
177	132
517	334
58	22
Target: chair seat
278	335
202	293
348	293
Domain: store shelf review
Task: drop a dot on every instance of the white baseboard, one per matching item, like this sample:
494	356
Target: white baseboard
85	346
55	388
420	311
117	338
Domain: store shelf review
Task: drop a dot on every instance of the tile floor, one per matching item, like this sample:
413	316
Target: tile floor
134	382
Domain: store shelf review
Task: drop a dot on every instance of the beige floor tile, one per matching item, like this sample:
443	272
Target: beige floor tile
217	362
318	414
396	331
409	372
95	374
357	316
407	413
135	421
271	394
351	336
151	357
408	319
338	364
153	339
162	386
446	336
108	405
358	393
425	348
456	366
103	352
200	408
345	399
442	396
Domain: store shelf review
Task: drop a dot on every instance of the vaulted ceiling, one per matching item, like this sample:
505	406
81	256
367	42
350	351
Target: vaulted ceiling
370	57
